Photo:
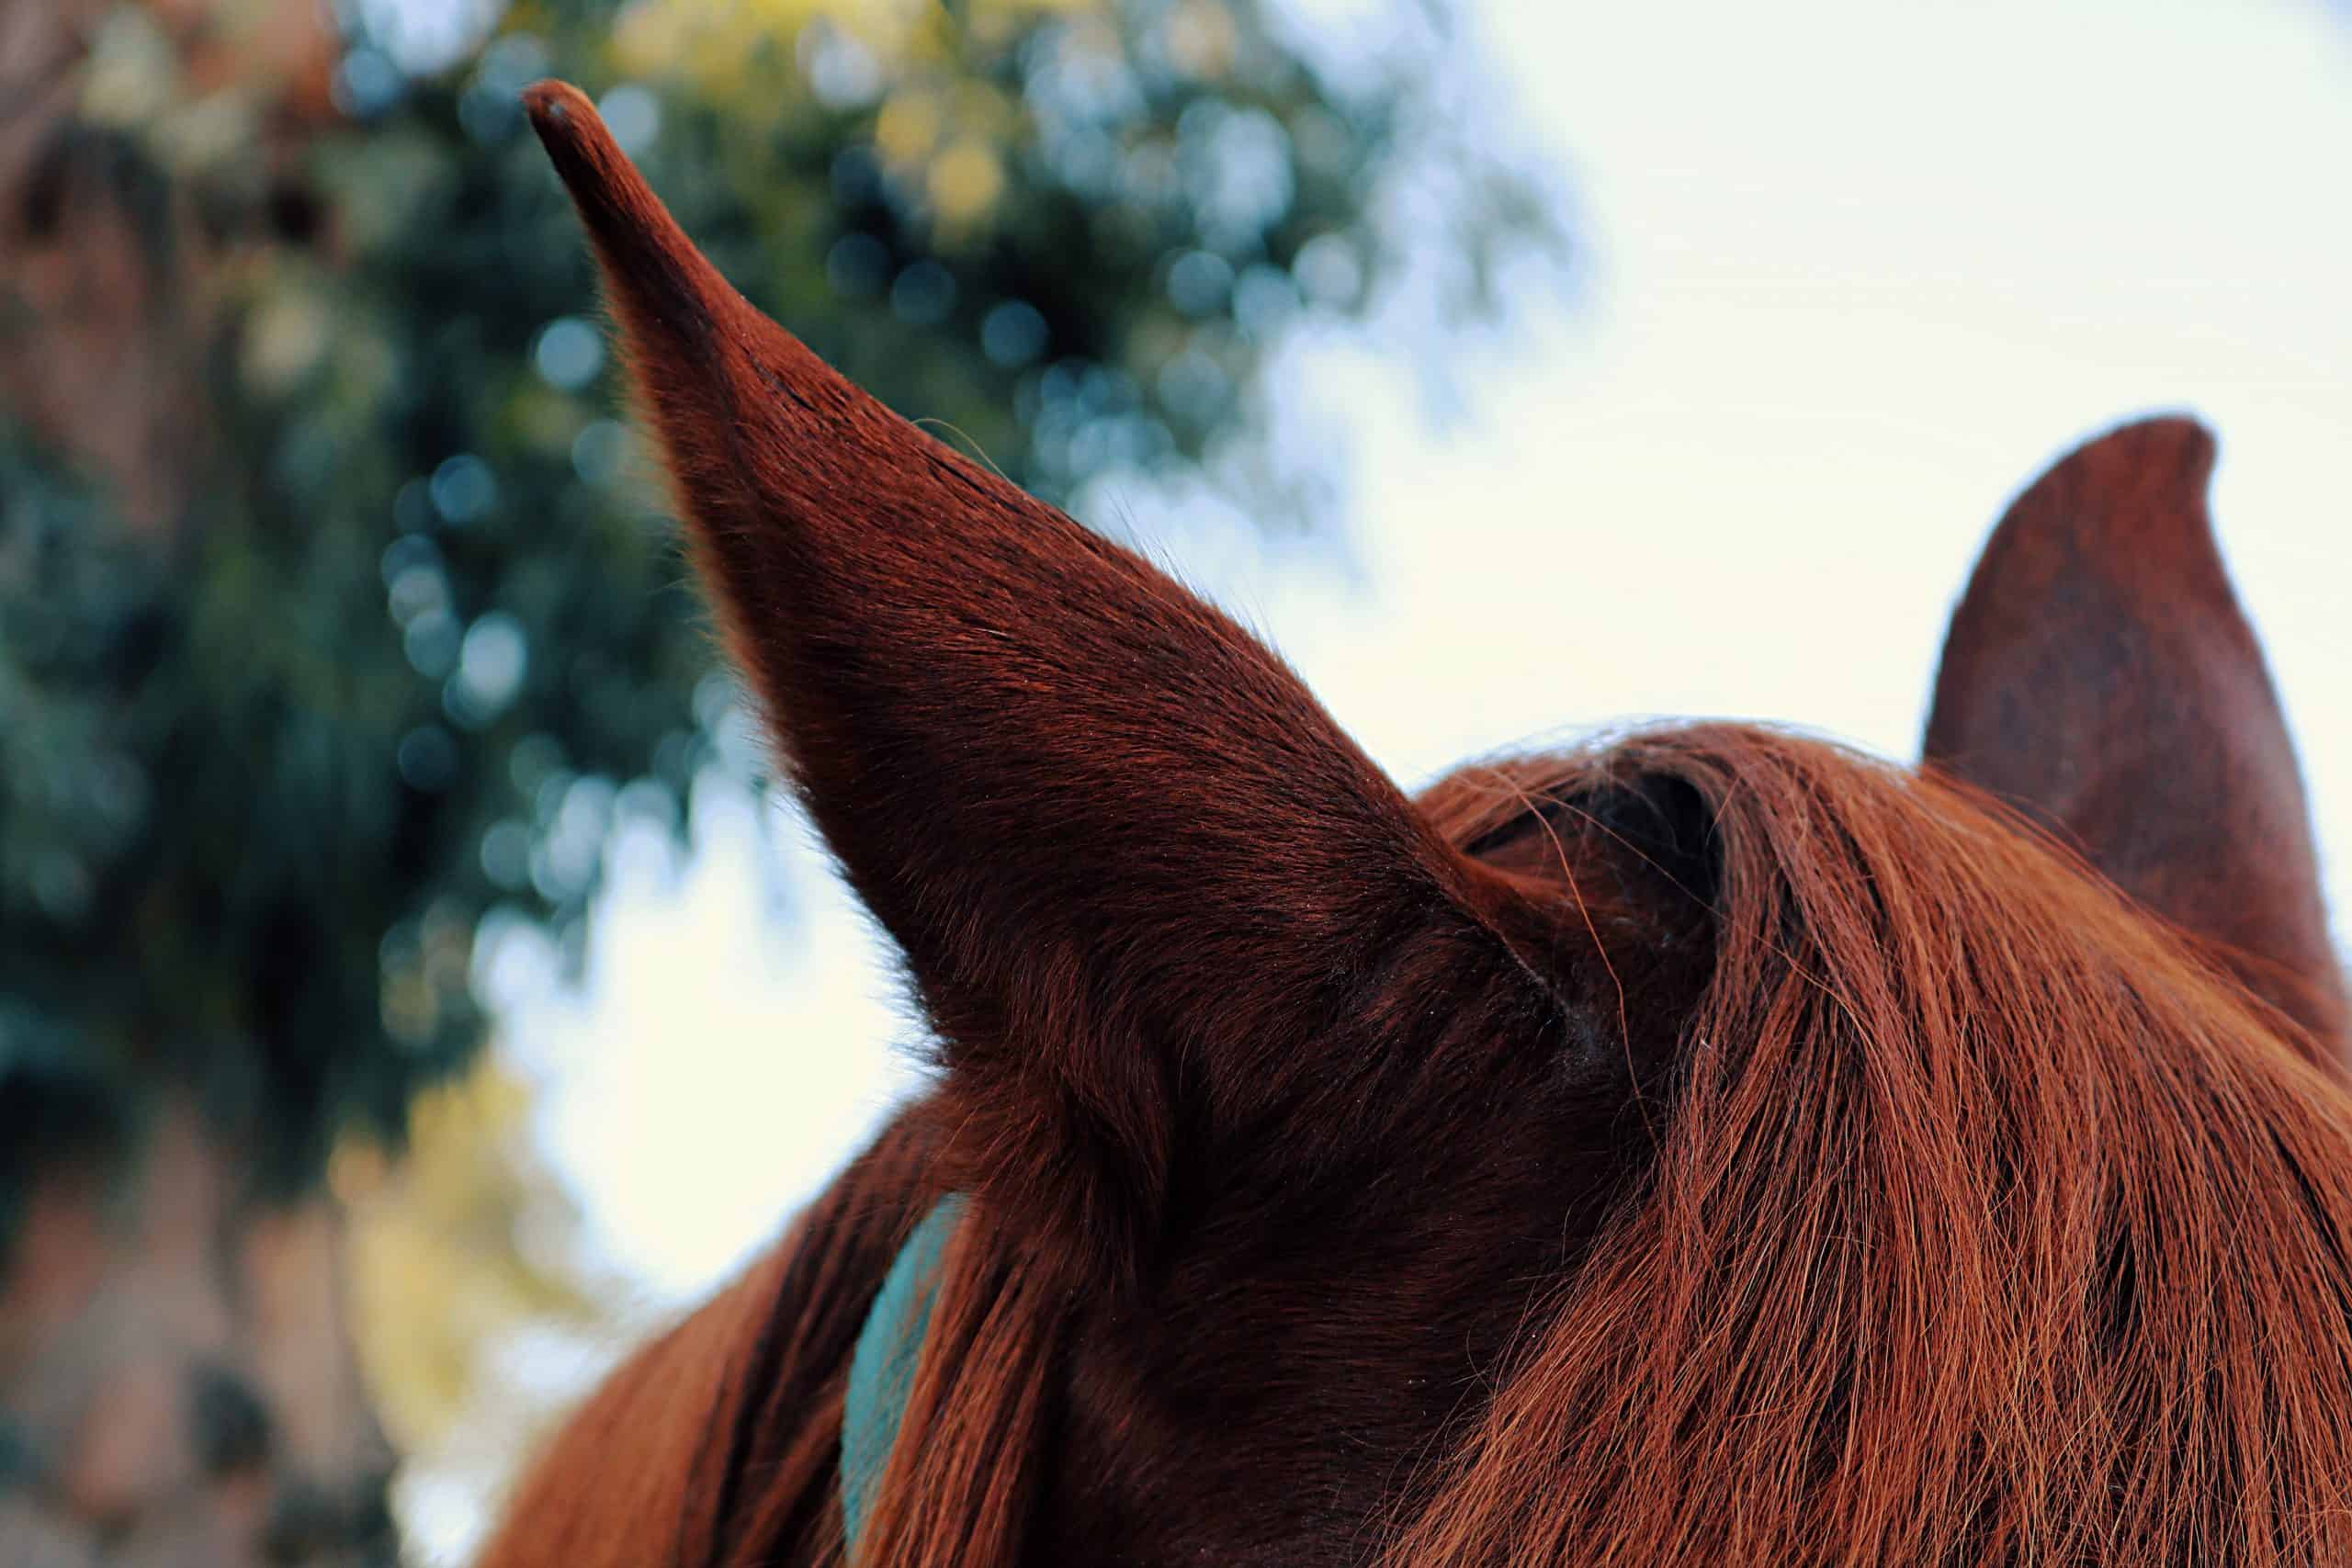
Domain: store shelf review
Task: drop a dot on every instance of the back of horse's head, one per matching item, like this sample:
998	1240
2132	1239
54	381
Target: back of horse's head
1945	1252
1708	1144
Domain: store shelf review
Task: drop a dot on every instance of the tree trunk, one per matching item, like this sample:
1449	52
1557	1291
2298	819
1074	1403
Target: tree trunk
178	1380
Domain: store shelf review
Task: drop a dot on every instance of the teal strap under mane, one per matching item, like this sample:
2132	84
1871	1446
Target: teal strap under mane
882	1369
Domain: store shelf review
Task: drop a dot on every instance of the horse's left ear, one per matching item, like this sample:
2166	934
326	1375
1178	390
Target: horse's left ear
2101	673
1158	908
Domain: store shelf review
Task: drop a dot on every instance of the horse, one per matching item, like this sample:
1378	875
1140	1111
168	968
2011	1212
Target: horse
1709	1145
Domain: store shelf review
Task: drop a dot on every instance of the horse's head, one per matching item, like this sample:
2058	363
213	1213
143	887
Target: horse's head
1645	1151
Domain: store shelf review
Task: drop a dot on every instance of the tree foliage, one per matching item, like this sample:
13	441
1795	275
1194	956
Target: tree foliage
403	636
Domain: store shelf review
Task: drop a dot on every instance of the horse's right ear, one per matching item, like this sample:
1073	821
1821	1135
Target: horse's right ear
1149	893
2101	673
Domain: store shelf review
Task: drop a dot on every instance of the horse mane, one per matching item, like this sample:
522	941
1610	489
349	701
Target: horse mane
717	1443
1995	1222
1990	1220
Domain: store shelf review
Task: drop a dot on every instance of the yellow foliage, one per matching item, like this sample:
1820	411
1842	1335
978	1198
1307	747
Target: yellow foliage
439	1266
707	43
908	126
963	183
1201	37
945	136
283	338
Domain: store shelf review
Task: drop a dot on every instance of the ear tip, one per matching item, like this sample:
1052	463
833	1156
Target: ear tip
2178	431
570	127
552	105
2175	445
625	222
2130	487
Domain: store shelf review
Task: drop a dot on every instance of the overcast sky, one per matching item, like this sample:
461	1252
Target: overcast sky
1853	274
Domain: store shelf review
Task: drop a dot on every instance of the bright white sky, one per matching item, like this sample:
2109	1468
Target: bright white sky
1856	271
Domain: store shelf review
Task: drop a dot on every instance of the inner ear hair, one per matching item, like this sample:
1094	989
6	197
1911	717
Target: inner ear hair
1650	825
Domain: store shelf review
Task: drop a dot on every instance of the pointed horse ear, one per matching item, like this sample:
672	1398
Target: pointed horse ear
1148	892
2101	673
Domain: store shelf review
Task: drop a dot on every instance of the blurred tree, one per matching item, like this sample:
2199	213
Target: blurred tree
475	1316
336	610
437	1273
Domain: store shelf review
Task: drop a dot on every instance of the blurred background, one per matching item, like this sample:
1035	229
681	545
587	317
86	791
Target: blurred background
412	988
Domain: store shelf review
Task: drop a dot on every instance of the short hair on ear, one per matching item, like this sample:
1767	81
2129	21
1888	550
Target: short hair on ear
2100	674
